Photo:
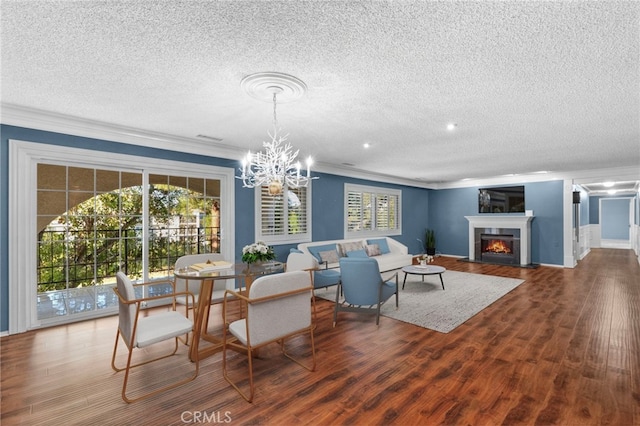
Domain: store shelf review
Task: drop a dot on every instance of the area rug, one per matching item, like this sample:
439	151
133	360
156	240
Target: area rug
425	303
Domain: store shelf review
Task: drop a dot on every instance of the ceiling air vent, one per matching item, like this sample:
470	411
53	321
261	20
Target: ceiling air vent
211	138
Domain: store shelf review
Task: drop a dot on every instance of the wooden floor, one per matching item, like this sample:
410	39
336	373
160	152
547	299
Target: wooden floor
563	348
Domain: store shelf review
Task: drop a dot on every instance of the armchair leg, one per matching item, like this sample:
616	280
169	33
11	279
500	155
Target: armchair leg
130	366
313	353
248	398
335	310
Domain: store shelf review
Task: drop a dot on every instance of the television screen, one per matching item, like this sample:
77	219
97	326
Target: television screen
505	199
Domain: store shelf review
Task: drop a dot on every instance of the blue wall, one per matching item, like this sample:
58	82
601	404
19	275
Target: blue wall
442	210
448	208
327	198
594	207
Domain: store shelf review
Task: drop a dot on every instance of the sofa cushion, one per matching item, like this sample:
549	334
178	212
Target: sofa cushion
346	247
382	244
329	256
373	250
357	253
315	250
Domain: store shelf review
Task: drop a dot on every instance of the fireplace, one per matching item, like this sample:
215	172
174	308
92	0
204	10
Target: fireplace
500	239
500	248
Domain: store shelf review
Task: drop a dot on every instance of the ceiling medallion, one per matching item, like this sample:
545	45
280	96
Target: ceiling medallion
277	166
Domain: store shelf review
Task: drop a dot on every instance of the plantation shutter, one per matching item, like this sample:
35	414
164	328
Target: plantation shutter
372	211
297	211
354	210
284	217
382	214
272	213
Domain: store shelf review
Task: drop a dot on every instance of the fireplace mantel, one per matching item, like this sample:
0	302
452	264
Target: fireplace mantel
523	223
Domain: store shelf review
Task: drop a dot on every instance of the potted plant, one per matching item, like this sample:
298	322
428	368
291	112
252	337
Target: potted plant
430	240
257	253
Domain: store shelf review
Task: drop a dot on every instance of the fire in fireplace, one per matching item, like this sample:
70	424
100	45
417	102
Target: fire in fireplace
499	248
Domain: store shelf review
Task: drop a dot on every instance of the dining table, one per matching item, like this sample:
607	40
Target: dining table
239	271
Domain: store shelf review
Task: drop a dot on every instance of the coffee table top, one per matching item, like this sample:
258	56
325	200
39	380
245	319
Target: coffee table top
423	269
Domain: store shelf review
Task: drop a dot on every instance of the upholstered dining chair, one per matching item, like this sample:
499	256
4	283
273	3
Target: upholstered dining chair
278	307
322	278
138	330
363	288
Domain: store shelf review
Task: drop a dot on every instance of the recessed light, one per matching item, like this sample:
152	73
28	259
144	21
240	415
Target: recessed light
366	145
609	184
451	127
611	191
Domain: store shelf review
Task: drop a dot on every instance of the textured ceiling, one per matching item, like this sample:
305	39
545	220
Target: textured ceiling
532	86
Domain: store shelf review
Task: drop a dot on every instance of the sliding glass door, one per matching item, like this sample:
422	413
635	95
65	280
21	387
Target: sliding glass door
94	214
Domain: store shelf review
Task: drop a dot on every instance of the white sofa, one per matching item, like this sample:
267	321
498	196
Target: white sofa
393	255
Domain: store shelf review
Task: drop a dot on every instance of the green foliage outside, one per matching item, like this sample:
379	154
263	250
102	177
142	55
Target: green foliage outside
98	237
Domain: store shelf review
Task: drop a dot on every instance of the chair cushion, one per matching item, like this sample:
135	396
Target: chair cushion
357	253
239	330
325	278
158	327
382	244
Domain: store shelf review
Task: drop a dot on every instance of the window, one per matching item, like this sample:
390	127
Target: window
284	218
93	213
372	211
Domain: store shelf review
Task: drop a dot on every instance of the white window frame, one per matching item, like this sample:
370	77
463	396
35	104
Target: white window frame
281	239
349	187
23	160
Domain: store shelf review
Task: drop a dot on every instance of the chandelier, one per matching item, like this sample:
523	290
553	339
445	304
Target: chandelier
277	166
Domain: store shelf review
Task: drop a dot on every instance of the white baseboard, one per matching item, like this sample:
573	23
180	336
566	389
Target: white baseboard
615	244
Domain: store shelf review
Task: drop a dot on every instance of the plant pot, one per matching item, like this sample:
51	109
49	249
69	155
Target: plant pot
431	251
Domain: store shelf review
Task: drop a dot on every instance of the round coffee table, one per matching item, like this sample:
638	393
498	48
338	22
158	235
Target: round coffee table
423	270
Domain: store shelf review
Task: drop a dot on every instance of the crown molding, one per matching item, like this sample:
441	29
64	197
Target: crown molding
32	118
20	116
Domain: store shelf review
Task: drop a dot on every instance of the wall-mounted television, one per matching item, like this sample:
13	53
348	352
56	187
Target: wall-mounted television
503	199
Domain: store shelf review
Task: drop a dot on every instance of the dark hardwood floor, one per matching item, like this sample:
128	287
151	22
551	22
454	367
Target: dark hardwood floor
563	348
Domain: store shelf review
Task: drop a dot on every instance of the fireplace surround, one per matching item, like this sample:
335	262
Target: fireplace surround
514	231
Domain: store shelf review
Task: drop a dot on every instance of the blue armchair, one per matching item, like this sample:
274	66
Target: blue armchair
363	287
298	261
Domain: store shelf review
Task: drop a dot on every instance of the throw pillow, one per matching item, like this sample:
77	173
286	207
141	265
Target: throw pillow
357	253
373	250
351	246
315	250
329	256
382	243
